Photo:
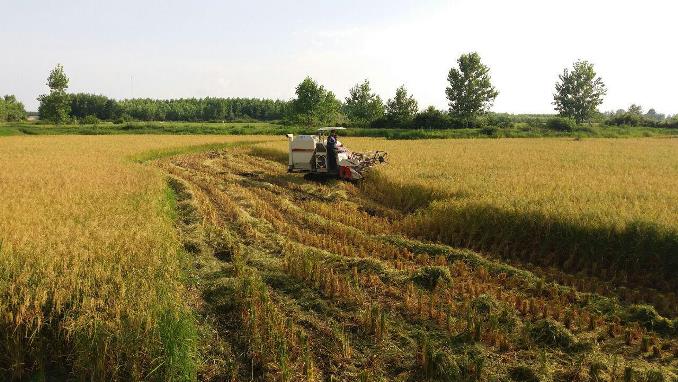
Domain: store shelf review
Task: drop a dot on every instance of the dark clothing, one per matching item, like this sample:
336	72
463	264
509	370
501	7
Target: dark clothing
332	153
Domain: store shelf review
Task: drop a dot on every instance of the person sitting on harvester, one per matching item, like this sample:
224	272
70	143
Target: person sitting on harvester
332	151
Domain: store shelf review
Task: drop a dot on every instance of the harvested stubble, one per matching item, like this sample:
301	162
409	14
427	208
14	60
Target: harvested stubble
383	306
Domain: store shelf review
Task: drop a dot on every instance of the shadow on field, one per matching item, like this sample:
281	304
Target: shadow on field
613	255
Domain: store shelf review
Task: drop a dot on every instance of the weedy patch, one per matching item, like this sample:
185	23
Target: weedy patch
523	373
430	276
648	317
551	333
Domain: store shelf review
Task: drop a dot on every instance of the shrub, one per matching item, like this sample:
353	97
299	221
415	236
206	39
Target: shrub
391	123
429	276
490	131
431	118
655	376
406	134
648	317
90	120
523	373
549	332
11	110
672	123
131	126
561	124
122	119
535	122
626	119
502	121
484	305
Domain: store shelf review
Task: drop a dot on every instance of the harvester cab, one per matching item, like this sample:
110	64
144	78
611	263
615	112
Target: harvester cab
309	154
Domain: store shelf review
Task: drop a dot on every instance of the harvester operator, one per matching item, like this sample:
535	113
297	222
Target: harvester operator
332	151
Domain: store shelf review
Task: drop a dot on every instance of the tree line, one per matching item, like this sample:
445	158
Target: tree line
61	107
83	105
470	93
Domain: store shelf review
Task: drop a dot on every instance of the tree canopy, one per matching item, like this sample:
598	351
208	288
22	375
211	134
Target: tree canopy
314	104
55	106
579	92
401	108
470	92
57	80
11	110
362	106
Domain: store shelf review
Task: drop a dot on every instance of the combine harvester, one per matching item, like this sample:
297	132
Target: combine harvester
308	154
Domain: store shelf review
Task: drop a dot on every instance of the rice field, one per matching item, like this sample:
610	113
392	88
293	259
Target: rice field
596	208
184	258
90	268
310	282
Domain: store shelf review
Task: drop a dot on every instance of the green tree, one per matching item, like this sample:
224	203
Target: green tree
402	108
11	110
330	110
362	106
579	92
654	116
470	92
55	106
102	107
314	104
635	110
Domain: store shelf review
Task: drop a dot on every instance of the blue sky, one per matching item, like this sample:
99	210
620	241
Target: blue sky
170	49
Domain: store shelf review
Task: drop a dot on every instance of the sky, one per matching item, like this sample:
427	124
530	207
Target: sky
264	48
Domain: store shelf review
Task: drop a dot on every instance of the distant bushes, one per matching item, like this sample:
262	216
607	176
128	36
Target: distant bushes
431	118
11	110
548	332
633	119
561	124
90	120
634	116
491	123
434	119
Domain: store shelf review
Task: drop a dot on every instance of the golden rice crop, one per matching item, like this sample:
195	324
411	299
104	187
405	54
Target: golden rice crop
601	206
90	271
610	182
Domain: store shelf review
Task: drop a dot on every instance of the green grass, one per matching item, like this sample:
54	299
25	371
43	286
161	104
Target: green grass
8	130
266	128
